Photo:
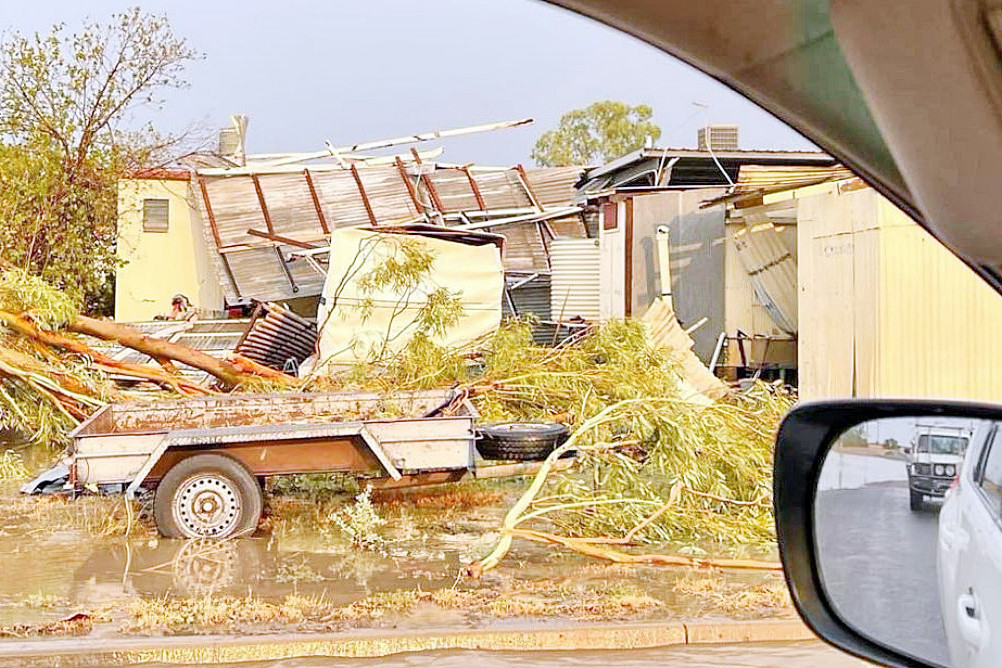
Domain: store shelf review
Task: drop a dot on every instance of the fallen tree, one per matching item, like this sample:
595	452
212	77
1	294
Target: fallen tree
53	379
655	466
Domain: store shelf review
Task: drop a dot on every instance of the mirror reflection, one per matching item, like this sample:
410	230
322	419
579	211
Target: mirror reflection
907	527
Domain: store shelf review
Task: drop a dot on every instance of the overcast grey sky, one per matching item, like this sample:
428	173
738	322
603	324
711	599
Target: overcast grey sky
308	71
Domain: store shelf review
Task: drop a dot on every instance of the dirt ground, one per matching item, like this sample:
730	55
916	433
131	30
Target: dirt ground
92	567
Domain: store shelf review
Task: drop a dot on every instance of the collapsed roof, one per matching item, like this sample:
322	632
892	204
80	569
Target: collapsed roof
687	167
255	219
258	210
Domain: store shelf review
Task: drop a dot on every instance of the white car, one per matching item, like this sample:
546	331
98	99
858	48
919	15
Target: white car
969	555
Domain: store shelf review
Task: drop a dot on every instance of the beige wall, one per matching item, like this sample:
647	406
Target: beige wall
886	311
159	265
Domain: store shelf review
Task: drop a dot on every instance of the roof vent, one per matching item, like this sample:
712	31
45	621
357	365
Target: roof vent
718	138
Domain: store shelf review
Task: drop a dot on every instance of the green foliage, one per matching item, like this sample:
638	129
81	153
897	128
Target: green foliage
359	522
854	438
68	132
647	442
24	294
43	395
317	486
600	132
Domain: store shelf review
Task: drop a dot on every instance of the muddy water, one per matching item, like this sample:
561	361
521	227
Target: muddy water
53	563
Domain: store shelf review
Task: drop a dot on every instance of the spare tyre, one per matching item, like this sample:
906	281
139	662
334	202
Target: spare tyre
523	441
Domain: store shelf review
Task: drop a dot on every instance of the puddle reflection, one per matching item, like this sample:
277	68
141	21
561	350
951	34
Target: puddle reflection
180	569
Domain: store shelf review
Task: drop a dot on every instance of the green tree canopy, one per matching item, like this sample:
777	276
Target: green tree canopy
600	132
69	130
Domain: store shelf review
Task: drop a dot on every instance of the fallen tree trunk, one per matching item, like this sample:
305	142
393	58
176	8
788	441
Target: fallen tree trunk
157	348
26	328
247	365
590	549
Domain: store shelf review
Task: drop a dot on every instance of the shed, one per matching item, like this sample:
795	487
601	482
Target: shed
885	310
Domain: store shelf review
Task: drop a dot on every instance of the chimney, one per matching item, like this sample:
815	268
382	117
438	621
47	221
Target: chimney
232	139
717	138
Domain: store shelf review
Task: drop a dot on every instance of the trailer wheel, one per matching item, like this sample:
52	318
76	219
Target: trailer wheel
207	496
523	441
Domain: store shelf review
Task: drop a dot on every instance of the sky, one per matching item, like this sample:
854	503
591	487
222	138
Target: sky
348	72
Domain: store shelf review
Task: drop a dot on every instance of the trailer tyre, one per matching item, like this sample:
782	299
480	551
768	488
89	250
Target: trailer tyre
523	441
207	496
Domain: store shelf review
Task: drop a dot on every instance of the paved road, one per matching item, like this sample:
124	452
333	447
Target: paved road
879	557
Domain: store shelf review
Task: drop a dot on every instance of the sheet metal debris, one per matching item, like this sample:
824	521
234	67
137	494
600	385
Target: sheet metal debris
278	338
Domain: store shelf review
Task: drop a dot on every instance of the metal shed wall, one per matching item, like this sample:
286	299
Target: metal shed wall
886	310
696	238
574	277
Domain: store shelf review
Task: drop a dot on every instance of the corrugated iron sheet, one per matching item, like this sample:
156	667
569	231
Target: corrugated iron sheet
531	297
575	285
887	311
256	267
278	338
771	268
665	333
214	337
758	177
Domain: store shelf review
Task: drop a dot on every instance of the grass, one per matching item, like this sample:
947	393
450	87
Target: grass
99	517
735	597
214	614
229	613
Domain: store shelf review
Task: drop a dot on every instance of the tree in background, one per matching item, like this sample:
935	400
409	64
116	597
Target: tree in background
69	131
600	132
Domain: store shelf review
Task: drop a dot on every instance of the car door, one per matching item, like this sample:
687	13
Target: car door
973	605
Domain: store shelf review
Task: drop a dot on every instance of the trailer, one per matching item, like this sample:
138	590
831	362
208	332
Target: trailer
206	459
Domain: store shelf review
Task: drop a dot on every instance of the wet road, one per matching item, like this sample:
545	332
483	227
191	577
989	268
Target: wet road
879	558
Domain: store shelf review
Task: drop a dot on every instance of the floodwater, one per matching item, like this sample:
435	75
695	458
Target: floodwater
55	564
63	568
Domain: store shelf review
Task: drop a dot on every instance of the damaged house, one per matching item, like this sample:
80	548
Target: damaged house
235	229
651	219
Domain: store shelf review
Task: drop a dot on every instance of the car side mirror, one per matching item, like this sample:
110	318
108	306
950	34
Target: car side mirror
891	561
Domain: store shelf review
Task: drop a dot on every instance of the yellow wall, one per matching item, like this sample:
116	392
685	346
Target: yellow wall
886	310
159	265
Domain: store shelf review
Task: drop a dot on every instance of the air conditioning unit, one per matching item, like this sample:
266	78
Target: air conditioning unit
718	138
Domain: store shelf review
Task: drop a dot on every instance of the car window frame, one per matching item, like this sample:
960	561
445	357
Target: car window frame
993	506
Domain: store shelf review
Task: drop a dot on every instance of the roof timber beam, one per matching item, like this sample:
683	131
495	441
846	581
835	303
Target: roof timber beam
365	196
271	231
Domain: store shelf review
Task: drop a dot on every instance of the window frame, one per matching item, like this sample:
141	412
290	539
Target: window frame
147	229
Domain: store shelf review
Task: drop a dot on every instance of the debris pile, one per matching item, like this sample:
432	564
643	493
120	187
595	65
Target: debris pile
654	464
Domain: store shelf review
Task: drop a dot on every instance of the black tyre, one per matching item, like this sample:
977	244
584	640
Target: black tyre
523	441
914	500
207	496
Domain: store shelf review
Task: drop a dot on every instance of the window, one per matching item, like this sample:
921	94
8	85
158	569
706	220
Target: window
990	479
155	215
939	444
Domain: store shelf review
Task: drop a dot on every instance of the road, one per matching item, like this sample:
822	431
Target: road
878	558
